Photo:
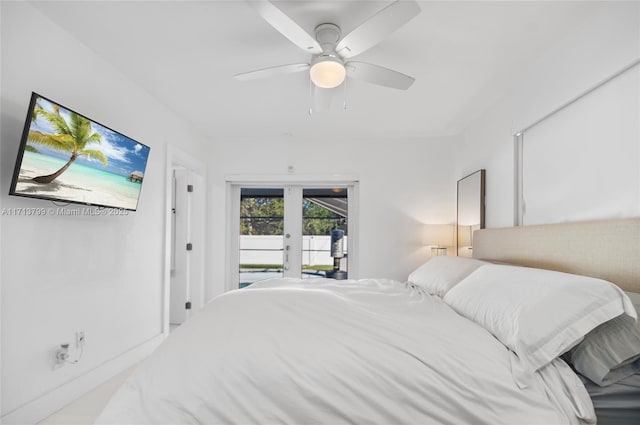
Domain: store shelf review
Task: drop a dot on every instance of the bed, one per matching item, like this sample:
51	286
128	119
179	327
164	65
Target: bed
608	249
453	344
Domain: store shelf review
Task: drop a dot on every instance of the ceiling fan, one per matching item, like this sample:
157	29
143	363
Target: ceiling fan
330	51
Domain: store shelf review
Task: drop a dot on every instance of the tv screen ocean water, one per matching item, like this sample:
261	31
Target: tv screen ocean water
65	156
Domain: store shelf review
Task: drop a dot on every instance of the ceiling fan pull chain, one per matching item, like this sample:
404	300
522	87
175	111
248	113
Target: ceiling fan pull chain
311	97
344	105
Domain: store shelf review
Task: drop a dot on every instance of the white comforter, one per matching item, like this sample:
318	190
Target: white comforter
329	352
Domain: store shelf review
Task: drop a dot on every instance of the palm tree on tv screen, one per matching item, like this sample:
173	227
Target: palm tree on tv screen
73	136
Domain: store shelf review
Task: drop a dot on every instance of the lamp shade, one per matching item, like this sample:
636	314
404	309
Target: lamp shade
464	236
327	72
438	235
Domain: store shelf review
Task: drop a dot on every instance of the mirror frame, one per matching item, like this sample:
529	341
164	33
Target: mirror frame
474	183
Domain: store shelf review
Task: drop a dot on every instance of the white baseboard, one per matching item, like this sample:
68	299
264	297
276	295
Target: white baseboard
44	406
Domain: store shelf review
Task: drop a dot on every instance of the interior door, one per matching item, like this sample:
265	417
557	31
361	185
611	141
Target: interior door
186	291
179	291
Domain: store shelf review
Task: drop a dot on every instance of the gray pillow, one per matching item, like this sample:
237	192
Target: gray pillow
611	351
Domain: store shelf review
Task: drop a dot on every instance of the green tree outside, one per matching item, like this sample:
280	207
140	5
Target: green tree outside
265	216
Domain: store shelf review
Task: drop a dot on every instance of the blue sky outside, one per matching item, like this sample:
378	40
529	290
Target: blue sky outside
124	154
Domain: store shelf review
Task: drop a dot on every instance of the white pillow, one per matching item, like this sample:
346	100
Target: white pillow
442	273
538	314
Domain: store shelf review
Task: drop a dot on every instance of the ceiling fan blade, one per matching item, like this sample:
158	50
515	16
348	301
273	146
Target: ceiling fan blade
378	75
286	26
377	28
272	72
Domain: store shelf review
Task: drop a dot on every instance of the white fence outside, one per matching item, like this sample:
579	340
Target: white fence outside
267	249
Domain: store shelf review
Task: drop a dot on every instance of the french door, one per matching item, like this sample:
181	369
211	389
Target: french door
290	230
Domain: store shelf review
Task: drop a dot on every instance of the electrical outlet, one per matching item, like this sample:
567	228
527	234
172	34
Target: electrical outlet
62	354
79	339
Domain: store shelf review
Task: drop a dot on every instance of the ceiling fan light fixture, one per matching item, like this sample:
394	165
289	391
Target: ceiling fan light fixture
327	72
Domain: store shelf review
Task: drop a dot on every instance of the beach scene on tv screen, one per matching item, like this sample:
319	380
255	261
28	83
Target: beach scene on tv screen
69	157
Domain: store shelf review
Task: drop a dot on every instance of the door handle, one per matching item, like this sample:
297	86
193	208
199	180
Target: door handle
286	257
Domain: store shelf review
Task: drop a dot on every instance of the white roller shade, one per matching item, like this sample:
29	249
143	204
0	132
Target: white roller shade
584	161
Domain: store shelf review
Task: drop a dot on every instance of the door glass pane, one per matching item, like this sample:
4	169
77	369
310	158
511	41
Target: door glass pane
324	211
261	234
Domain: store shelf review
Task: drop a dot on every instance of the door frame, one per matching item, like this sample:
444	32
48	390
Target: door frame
175	158
233	184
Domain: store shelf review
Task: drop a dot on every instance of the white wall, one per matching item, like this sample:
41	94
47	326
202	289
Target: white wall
60	274
592	52
403	185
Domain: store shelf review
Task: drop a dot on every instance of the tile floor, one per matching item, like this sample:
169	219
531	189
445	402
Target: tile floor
86	409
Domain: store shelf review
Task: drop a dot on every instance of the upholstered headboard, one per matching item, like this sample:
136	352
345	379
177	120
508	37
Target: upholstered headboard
608	249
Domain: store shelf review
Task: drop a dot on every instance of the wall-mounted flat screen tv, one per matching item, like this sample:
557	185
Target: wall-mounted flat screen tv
67	157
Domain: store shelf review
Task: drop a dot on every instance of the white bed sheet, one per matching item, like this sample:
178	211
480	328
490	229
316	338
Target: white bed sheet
328	352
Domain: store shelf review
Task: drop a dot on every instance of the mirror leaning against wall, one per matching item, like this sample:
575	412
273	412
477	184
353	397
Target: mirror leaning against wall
470	214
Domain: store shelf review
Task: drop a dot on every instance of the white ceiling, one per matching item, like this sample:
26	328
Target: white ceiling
185	53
